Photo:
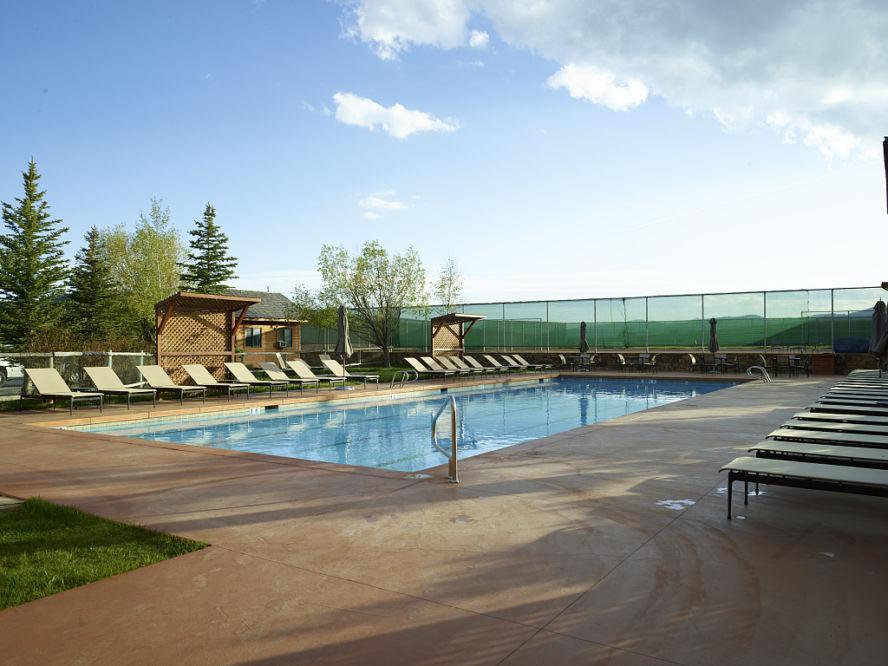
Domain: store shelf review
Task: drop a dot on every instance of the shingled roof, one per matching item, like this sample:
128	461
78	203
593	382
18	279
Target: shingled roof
274	305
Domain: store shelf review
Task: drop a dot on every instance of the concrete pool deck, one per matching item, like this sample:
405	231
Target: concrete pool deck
606	544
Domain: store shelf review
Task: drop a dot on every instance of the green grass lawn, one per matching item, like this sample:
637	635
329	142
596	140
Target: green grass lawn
46	548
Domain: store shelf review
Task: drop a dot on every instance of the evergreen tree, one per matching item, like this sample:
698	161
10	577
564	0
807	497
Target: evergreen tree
209	265
32	268
93	310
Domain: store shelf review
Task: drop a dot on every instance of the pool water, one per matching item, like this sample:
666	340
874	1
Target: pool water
395	432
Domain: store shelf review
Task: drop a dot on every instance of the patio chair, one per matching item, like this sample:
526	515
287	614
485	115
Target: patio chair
648	362
160	381
202	377
339	371
423	371
49	384
275	373
108	383
302	371
621	362
243	375
692	364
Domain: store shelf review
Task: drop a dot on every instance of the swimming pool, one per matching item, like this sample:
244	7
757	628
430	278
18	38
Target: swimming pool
394	433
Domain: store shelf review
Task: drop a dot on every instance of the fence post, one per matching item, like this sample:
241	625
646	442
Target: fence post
765	317
109	355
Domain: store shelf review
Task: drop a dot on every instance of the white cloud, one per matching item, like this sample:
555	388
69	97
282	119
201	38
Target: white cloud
478	39
821	64
378	203
396	120
381	202
598	86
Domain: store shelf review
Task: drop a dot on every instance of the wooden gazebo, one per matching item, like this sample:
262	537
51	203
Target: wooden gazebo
449	333
198	328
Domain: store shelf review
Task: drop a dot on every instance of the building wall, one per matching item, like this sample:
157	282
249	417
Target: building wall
269	346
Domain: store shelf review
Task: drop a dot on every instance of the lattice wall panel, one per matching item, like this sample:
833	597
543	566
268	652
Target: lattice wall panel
446	341
197	331
173	366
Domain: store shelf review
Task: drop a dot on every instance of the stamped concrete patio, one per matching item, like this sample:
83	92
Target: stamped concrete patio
606	544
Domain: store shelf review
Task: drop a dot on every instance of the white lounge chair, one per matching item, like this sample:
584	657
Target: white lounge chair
274	372
423	371
160	381
49	384
302	371
339	371
202	377
108	383
243	375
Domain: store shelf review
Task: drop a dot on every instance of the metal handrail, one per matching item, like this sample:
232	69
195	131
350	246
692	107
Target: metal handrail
451	455
765	376
404	375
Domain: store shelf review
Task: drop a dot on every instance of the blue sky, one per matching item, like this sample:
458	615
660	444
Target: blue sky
569	149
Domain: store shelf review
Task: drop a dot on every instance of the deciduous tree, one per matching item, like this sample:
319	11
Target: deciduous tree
447	289
147	266
376	287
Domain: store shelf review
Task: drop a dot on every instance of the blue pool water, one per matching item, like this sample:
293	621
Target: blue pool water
394	433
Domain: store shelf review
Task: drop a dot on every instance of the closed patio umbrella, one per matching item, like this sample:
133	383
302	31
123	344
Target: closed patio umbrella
713	337
584	346
343	345
878	344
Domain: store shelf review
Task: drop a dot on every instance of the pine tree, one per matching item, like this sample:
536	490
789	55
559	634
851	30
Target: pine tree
32	267
209	265
92	298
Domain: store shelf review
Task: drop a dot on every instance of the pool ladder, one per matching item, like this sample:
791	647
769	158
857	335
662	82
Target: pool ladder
404	376
765	377
451	455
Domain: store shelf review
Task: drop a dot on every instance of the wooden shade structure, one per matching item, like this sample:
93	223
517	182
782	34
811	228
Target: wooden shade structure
198	328
449	333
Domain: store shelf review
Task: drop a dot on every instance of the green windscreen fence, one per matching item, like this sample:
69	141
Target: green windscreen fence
838	319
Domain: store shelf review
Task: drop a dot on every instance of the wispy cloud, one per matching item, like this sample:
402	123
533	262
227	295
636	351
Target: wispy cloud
478	39
598	86
381	202
395	120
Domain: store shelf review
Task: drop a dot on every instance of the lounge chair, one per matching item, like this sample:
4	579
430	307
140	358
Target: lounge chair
692	364
243	375
832	454
848	409
447	363
471	360
839	478
826	417
49	384
847	438
275	373
202	377
423	371
108	383
496	364
539	366
512	364
434	365
824	426
459	363
302	371
160	381
339	371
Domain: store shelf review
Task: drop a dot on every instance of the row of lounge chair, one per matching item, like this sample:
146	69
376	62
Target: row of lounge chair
840	444
49	384
448	366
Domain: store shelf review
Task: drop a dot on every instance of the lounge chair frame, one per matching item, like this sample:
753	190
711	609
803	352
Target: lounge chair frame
42	375
812	476
149	371
95	375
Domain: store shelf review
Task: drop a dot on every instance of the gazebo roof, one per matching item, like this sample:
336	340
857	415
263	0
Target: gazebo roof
187	300
456	318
